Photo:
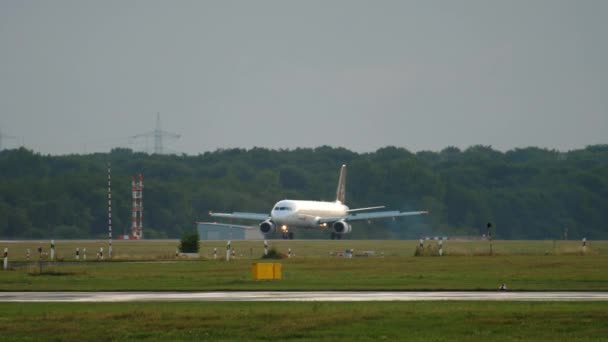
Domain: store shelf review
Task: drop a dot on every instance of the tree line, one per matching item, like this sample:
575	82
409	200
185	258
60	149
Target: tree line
527	193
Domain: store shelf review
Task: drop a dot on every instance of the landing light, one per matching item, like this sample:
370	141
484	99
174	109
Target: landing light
284	228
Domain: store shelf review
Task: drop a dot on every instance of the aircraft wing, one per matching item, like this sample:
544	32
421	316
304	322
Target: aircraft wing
241	215
383	214
372	216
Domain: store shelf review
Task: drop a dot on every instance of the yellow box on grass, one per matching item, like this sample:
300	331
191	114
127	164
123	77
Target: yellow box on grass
266	271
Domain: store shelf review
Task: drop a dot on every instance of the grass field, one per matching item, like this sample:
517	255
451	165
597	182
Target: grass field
522	265
366	321
165	249
466	265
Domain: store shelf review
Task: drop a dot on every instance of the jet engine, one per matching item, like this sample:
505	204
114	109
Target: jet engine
268	227
341	227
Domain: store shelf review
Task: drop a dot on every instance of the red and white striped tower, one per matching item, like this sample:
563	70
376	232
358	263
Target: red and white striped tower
134	195
109	211
138	208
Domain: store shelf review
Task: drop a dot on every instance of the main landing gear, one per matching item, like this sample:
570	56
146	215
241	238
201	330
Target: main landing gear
288	236
335	236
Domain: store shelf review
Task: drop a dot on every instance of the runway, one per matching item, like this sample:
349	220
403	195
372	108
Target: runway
299	296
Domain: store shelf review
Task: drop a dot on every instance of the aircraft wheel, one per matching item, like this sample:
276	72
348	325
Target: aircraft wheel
338	236
284	236
333	236
290	235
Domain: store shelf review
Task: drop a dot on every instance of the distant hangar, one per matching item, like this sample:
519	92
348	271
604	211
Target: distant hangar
223	231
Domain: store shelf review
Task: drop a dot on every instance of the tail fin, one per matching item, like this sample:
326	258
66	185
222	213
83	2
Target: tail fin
341	191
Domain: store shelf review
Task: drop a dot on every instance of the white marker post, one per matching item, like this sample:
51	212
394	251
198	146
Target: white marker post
84	254
265	248
27	254
228	248
77	254
52	250
440	247
289	252
489	226
214	253
421	243
584	245
101	253
6	258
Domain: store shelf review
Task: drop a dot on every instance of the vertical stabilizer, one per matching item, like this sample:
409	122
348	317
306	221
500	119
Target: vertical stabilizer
341	191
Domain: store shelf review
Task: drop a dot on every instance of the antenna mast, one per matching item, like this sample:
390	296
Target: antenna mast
109	211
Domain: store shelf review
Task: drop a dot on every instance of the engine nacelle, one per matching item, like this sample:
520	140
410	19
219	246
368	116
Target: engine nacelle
341	227
268	227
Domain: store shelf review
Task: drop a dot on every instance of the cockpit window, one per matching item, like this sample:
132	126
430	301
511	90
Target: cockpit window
282	208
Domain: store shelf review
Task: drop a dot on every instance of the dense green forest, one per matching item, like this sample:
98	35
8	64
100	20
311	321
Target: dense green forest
528	193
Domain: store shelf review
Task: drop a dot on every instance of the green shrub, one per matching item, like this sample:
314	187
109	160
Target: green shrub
429	249
189	243
273	254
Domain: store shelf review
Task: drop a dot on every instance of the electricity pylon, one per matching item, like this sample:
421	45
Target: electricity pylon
159	135
3	137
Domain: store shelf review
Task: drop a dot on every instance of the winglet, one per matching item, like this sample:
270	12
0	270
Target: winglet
341	191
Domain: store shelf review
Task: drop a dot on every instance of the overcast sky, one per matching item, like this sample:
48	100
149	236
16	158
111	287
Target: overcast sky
83	76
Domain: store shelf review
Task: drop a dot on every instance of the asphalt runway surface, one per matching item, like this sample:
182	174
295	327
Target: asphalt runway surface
300	296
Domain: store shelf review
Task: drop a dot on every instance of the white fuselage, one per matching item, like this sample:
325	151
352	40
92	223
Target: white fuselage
305	214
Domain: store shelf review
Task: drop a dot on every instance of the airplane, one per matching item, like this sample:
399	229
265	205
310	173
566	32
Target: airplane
287	214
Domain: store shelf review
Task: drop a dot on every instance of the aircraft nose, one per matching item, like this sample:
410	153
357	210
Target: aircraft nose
278	213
